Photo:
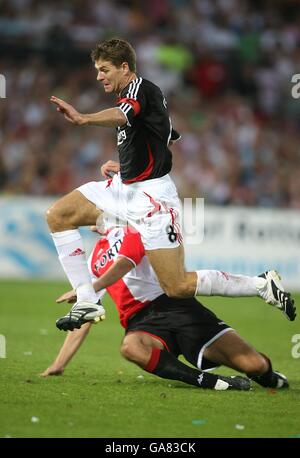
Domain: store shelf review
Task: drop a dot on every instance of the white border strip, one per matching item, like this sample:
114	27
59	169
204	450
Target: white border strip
200	357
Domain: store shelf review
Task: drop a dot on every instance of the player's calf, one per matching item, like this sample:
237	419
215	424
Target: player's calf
165	365
270	378
251	363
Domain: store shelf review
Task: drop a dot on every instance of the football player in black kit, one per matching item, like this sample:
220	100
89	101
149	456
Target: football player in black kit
141	193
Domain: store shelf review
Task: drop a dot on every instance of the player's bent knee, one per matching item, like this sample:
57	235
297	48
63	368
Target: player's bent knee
136	353
128	351
260	365
60	217
254	365
52	219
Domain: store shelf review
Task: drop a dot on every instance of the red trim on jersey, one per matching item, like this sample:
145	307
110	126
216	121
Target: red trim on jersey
146	172
133	103
132	246
175	225
225	274
157	206
126	303
154	358
98	248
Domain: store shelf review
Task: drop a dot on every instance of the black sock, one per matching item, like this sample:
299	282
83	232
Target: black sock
165	365
269	379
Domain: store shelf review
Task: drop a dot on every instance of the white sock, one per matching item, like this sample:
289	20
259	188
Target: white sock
72	257
217	283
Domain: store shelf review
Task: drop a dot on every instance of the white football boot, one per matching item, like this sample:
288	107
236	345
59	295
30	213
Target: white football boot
233	382
81	312
272	291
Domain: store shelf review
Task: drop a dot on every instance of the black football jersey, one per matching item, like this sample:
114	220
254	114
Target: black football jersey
143	141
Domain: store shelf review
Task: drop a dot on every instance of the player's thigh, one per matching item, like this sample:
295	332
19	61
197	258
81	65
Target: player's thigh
168	265
196	328
108	196
71	211
233	351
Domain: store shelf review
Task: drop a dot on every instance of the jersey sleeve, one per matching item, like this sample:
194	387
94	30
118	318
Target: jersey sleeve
133	101
132	248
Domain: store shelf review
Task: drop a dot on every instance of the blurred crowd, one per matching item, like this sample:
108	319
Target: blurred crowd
224	65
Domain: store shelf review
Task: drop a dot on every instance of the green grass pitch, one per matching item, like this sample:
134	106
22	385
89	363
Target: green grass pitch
102	395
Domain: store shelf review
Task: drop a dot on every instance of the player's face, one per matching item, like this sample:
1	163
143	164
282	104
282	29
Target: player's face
110	76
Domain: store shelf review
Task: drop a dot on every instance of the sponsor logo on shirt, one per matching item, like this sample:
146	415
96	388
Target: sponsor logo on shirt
121	136
107	256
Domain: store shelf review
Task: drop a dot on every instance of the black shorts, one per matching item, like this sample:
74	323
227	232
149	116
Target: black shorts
184	326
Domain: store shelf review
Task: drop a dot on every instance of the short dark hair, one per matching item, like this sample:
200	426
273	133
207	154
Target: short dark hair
116	51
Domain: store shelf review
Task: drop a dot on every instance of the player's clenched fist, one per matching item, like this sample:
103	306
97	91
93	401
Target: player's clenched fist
109	168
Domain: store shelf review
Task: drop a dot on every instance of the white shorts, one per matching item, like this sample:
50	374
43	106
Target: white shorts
152	207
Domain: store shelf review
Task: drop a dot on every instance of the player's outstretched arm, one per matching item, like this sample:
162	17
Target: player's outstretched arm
117	271
112	117
70	346
69	112
69	296
120	268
